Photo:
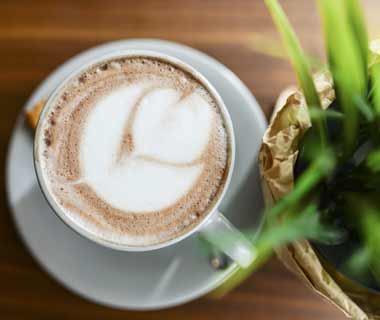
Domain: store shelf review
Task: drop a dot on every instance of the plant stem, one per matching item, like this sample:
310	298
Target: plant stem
343	27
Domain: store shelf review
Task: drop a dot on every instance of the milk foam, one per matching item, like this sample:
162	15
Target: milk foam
166	128
135	154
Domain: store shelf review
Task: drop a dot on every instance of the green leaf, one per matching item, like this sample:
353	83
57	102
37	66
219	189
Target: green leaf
289	228
345	60
358	263
364	108
371	229
299	62
359	29
327	114
295	226
371	235
364	210
322	165
295	51
375	92
373	161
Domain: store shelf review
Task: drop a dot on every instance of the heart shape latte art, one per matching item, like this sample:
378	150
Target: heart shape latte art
152	153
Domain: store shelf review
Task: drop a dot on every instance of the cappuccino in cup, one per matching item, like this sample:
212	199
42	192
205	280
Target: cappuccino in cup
134	150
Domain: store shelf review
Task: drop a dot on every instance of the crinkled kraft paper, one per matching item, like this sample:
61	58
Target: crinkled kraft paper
277	157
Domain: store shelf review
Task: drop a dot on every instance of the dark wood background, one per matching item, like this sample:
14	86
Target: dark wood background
36	36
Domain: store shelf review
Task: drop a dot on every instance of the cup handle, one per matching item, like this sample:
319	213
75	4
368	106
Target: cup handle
226	238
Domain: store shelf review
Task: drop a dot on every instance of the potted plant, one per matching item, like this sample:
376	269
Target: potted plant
320	166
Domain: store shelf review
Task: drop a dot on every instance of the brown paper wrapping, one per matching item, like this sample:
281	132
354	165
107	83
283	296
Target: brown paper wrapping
277	157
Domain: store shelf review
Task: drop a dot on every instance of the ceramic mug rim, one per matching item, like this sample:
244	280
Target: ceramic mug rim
212	211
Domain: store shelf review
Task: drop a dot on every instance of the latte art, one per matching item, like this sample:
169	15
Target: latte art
157	137
134	150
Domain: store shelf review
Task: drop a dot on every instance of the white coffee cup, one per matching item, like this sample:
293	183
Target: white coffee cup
214	226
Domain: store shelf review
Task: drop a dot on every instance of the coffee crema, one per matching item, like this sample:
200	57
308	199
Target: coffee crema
134	150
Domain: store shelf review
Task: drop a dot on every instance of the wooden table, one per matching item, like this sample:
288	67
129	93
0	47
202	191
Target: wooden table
36	36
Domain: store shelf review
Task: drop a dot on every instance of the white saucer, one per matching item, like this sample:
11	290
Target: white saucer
140	281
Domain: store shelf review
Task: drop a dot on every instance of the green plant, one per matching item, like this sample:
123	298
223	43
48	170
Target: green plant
335	197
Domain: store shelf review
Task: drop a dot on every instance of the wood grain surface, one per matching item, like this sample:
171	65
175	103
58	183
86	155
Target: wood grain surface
36	36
